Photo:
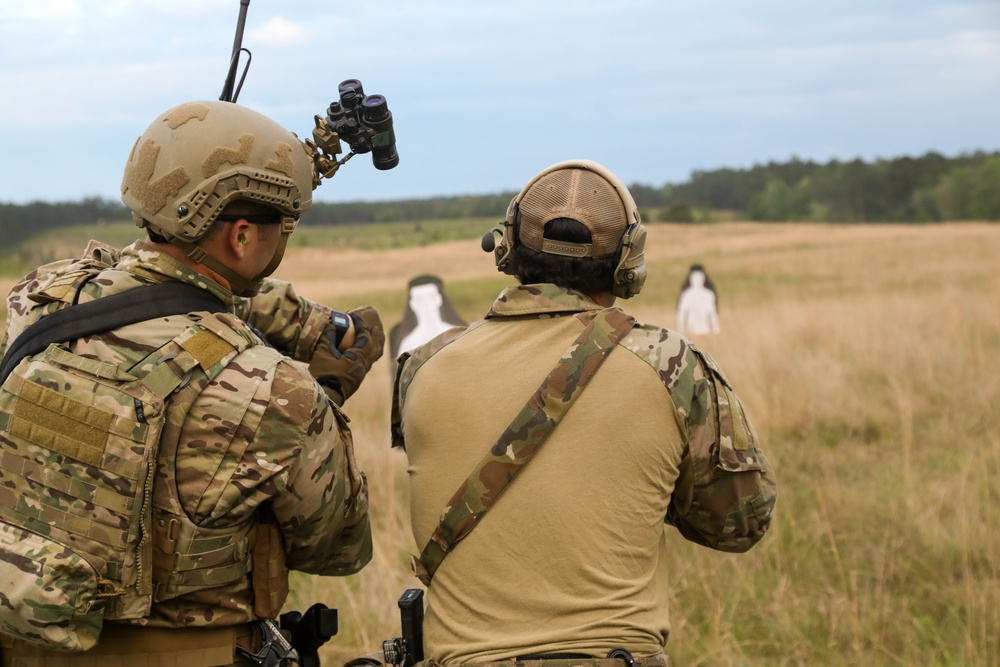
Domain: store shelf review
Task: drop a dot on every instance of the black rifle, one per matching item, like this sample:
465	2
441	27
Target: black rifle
309	631
408	649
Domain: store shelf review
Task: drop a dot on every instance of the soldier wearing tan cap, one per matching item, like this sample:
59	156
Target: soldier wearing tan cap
549	442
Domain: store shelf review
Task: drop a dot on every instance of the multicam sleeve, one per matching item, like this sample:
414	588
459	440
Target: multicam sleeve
323	510
725	494
289	322
301	329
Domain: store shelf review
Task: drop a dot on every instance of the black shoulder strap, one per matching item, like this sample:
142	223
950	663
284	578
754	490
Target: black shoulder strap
106	314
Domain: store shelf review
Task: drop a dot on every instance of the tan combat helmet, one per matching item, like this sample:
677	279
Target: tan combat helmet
198	157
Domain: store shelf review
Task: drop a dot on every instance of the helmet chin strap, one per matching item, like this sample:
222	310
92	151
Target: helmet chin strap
287	227
239	285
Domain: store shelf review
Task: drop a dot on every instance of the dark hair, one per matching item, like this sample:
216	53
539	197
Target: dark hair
156	237
448	312
589	275
709	285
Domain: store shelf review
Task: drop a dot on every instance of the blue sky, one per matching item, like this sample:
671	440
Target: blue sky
486	94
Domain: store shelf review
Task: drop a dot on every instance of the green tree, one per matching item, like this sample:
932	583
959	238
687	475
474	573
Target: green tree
679	212
986	192
774	204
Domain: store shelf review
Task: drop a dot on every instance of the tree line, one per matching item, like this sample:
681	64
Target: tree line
929	188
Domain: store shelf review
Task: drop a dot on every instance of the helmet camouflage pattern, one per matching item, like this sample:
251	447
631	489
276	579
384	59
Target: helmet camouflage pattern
197	157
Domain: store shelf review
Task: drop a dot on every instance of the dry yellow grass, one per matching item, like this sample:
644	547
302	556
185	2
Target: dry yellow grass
869	358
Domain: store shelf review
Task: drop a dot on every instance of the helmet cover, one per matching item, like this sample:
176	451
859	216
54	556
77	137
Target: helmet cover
197	157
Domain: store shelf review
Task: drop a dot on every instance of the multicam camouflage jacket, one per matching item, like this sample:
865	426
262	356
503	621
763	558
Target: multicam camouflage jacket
260	439
711	505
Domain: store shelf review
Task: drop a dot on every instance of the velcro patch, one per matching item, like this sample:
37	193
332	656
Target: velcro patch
60	423
207	347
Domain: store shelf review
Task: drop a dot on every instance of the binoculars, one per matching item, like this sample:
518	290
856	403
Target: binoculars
365	123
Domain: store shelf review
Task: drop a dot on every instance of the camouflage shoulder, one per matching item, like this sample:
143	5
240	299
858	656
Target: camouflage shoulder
726	497
51	287
695	381
295	392
288	399
242	329
674	359
61	280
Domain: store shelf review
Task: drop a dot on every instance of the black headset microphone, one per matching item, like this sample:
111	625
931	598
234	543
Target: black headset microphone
489	242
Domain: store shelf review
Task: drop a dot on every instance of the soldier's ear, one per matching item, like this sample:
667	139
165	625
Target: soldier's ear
236	236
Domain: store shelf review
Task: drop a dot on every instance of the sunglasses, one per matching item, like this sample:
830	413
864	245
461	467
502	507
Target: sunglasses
254	218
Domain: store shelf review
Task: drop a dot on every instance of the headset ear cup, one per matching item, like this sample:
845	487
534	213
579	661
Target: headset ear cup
502	254
630	274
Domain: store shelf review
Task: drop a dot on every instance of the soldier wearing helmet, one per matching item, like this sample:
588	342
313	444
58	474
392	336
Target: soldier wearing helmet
549	443
255	473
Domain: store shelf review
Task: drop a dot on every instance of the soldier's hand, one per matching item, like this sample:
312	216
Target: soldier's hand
340	372
369	336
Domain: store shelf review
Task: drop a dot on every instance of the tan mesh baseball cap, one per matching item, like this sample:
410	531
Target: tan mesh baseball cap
580	194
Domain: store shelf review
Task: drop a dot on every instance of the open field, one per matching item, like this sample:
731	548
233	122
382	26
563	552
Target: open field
869	360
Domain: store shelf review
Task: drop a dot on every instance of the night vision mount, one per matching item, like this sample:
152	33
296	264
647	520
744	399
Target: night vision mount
363	121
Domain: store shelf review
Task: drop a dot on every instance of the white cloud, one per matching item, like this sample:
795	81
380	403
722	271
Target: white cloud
277	32
659	86
182	8
54	11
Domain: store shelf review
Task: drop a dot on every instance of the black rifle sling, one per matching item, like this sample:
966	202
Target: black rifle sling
106	314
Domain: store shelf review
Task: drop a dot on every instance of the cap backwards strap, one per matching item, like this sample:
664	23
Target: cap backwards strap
524	437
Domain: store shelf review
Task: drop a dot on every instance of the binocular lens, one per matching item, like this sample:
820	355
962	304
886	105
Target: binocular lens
351	93
351	84
374	108
375	114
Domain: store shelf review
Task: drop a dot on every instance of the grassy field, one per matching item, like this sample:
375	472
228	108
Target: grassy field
869	359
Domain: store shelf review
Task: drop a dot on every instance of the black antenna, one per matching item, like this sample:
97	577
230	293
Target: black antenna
227	88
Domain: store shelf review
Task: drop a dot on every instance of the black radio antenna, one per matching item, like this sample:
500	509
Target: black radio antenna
228	95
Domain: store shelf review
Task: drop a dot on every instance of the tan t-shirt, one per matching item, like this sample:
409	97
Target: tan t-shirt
572	557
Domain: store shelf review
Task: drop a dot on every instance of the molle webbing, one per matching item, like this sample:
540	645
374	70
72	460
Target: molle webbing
525	435
76	464
188	557
81	447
